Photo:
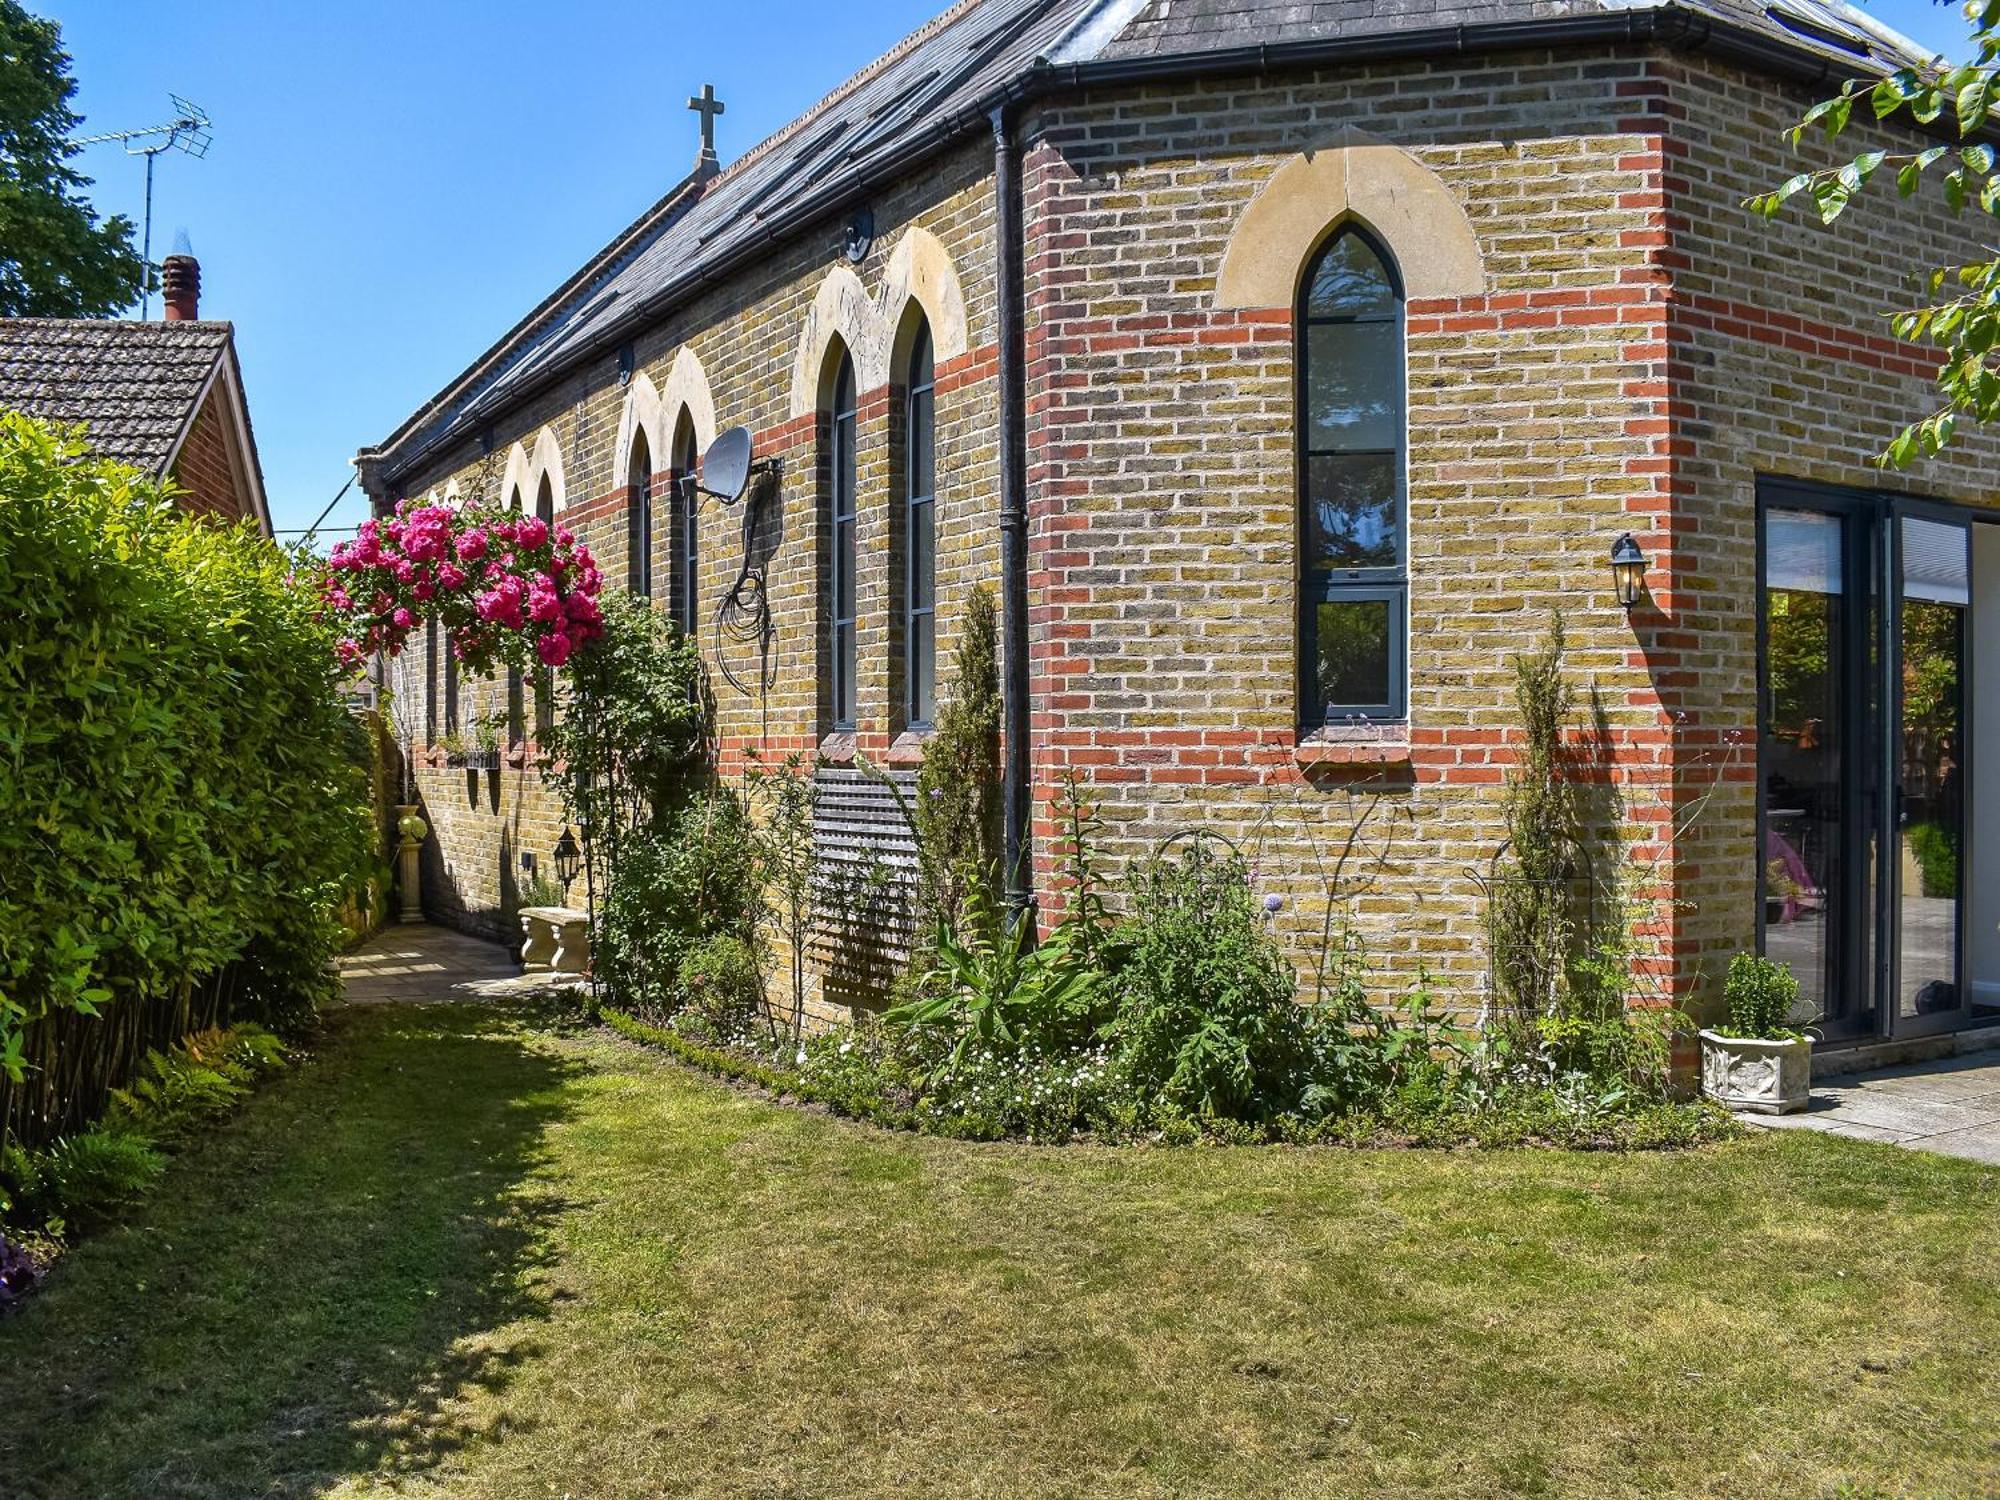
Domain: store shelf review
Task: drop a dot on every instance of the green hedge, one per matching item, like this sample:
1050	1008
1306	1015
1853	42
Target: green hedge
182	800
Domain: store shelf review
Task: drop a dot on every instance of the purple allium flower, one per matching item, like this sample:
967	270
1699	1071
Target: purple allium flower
1273	902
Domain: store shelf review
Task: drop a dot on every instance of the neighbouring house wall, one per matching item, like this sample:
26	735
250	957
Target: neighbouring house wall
1783	364
206	466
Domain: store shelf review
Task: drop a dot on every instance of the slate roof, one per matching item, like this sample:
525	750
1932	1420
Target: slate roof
939	85
135	384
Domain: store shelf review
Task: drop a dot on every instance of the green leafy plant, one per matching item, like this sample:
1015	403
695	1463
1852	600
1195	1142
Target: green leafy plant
722	988
991	985
1935	848
1208	1016
786	797
1760	994
186	805
690	874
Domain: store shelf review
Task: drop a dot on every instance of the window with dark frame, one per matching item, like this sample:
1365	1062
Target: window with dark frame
516	709
639	515
920	536
687	500
545	679
841	549
1354	553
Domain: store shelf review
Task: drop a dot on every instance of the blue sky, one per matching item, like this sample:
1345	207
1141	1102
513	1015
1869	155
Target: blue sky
392	185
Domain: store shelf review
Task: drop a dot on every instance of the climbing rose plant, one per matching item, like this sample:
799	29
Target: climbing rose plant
510	589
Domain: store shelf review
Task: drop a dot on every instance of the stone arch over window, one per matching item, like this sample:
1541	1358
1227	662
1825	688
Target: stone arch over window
516	476
639	418
1404	205
547	467
921	270
842	312
686	393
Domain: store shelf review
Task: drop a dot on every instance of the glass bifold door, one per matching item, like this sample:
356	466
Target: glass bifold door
1873	718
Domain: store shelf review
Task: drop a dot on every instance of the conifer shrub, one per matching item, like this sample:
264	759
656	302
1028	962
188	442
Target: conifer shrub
957	811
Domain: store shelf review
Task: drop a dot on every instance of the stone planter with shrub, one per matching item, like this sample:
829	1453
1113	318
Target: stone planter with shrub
1758	1060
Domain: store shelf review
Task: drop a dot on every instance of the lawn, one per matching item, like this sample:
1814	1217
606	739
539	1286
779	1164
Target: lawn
456	1254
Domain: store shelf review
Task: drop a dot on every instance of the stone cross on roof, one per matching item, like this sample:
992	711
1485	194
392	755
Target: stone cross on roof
708	107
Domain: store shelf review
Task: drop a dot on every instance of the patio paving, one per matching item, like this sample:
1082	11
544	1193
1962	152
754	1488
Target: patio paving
1951	1106
420	963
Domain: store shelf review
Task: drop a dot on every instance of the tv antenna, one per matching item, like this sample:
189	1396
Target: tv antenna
187	131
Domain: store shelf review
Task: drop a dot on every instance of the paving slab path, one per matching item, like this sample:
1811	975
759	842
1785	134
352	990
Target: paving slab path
419	963
1951	1106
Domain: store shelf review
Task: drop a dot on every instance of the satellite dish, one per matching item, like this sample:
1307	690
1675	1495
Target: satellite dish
726	468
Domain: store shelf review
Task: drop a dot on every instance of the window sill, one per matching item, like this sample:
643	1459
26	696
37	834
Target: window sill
839	748
907	749
1380	744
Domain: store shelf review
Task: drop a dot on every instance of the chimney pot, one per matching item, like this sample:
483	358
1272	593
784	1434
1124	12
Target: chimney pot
180	285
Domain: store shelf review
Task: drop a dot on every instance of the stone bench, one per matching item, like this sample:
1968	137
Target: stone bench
555	940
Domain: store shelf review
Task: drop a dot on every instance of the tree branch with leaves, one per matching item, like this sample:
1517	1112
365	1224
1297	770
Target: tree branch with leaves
1962	318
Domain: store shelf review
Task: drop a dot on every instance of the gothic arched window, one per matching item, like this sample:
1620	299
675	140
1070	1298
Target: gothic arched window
841	553
639	500
920	534
1354	549
687	527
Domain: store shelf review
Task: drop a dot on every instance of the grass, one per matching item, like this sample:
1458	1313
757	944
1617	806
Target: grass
454	1255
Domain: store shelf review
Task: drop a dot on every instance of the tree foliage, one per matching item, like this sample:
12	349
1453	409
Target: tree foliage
56	259
1961	318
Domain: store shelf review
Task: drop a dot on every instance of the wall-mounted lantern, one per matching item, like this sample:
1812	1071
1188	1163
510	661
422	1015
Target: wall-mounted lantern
569	859
1628	571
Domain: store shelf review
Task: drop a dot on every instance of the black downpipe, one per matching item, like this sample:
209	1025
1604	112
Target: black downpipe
1015	796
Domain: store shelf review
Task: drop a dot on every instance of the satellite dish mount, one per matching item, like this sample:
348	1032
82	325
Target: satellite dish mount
727	467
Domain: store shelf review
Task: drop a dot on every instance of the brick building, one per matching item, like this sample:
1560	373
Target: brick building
1314	355
165	397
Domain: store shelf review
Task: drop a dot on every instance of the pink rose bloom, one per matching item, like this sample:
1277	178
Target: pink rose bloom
544	603
404	619
382	603
531	531
404	569
472	546
504	530
348	652
582	607
553	649
451	576
422	590
564	535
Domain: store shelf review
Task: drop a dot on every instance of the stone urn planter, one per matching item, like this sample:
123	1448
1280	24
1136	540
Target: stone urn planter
555	940
1766	1075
